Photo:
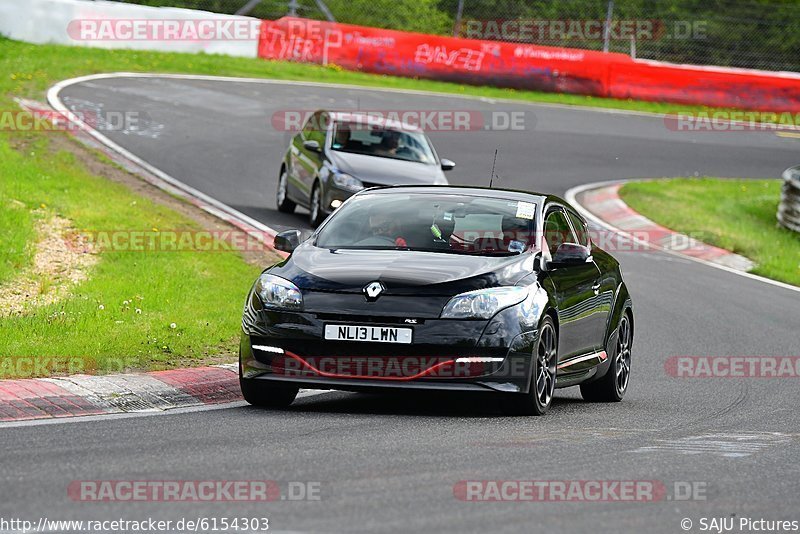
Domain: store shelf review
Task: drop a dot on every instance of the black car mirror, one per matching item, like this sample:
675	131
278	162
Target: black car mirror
570	254
288	241
448	164
312	146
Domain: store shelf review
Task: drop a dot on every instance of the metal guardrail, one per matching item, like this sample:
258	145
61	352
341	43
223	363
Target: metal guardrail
789	208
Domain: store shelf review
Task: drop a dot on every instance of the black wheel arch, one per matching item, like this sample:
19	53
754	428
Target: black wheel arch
622	304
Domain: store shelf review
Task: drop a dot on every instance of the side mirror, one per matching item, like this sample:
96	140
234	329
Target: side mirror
570	254
312	146
448	164
288	241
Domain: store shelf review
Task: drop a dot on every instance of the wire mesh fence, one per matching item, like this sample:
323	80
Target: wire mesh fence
737	33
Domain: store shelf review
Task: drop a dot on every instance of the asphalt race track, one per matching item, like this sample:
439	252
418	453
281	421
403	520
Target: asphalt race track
390	463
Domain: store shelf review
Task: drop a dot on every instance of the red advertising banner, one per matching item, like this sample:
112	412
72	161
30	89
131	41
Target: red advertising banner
523	66
435	57
708	86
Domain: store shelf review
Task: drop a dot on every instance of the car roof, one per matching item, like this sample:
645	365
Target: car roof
510	194
371	118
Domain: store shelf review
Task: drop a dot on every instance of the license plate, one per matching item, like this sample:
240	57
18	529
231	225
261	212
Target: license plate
374	334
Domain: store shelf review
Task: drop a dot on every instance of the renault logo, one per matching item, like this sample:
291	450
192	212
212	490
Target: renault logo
373	290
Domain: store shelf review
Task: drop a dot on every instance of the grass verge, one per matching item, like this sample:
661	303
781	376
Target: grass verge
135	310
737	215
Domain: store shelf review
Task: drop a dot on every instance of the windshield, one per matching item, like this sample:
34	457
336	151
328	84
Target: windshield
447	223
375	140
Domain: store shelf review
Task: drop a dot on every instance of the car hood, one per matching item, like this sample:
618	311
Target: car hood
387	171
402	272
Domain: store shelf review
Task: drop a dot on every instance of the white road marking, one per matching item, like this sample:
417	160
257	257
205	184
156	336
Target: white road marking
105	120
168	183
728	445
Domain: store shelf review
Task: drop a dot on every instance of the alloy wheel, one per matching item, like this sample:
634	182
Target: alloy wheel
546	365
623	356
315	206
282	188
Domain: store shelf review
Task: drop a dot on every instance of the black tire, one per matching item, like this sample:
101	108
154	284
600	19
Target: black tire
315	215
543	375
614	384
282	197
266	394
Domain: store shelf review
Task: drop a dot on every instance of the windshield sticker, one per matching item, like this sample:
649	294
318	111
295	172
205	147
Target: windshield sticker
516	246
525	210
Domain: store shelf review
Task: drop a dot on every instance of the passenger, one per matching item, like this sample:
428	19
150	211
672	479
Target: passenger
516	234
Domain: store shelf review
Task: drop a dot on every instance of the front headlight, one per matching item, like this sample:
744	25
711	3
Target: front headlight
345	181
483	303
276	292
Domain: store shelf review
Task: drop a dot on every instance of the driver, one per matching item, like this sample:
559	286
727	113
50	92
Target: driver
382	225
389	144
342	137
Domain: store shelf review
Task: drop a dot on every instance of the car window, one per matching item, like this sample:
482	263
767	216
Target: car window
581	232
376	140
314	130
449	223
557	231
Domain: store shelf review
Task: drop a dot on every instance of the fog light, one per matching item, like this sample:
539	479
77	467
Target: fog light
336	203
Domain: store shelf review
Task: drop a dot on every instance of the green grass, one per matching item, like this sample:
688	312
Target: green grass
737	215
200	292
16	227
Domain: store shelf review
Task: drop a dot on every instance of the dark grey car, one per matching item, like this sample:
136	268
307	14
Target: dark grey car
337	154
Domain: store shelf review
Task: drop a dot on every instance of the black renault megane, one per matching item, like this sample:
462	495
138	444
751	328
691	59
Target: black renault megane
441	288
